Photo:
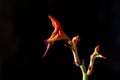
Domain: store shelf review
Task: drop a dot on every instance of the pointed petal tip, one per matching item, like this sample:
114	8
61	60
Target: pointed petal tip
104	57
97	48
43	55
100	56
49	15
47	49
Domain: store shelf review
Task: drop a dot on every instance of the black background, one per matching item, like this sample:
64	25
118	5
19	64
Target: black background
25	26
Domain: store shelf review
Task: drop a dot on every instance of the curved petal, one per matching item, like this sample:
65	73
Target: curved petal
56	24
57	34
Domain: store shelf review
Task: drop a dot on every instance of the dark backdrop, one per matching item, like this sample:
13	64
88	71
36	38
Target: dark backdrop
25	26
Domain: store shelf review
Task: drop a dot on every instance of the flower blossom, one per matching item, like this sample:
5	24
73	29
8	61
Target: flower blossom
92	59
74	49
57	34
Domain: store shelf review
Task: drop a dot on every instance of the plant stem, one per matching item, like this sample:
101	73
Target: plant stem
84	73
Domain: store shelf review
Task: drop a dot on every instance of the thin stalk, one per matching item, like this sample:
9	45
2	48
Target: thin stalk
84	73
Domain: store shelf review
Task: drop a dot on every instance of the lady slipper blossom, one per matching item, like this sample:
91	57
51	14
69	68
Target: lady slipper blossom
57	34
92	59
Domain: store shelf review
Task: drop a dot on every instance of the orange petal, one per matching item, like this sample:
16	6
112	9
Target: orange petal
58	33
55	23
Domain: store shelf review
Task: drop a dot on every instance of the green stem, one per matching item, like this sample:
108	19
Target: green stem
84	74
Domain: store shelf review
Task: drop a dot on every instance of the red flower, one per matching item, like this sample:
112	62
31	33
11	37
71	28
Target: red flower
57	34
